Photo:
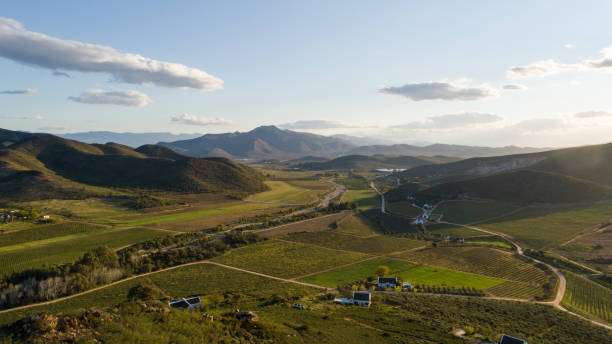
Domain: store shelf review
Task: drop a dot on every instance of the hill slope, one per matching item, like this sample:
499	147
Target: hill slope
367	163
442	149
523	186
43	165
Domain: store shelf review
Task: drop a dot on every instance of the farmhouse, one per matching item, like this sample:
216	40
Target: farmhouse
189	303
387	282
506	339
362	298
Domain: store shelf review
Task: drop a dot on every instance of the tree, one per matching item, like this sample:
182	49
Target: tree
382	271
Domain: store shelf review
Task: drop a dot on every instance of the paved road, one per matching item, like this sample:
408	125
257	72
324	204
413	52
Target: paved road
382	198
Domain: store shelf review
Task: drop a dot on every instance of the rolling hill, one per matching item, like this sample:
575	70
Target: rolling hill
128	139
522	186
460	151
42	166
368	163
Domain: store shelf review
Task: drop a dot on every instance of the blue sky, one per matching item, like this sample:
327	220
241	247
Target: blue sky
404	71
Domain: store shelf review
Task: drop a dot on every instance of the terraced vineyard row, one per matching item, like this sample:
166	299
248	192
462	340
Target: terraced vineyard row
480	260
588	298
42	232
515	290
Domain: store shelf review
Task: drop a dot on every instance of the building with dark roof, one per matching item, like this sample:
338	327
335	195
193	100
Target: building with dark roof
362	298
506	339
387	282
189	303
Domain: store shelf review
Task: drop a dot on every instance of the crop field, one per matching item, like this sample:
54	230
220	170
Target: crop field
453	231
354	182
285	259
41	232
465	212
67	250
317	224
357	225
594	248
377	245
365	199
284	192
90	208
480	260
491	241
287	174
311	184
235	209
413	273
587	298
547	227
403	208
390	223
201	279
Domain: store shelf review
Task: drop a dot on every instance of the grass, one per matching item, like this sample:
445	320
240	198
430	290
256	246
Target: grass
377	245
67	250
453	231
90	208
285	259
203	279
403	208
284	192
357	225
545	227
413	273
587	298
365	199
42	232
316	224
465	212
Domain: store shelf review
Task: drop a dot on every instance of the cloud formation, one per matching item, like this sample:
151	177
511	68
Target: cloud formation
37	49
35	117
592	114
315	124
201	121
26	91
459	120
56	73
552	67
514	87
125	98
440	91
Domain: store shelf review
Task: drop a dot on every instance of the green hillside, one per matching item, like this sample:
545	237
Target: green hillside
368	163
43	166
523	186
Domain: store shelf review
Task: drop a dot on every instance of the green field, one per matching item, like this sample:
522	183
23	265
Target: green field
42	232
587	298
465	212
548	226
89	208
285	192
65	251
380	244
413	273
365	199
202	279
403	208
285	259
453	231
357	225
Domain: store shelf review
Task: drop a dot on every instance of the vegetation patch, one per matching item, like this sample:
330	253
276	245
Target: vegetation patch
587	298
378	245
364	199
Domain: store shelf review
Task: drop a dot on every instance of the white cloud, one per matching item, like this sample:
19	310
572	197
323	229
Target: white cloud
440	90
315	124
125	98
34	117
514	87
459	120
537	125
201	121
540	68
551	67
37	49
26	91
568	46
592	114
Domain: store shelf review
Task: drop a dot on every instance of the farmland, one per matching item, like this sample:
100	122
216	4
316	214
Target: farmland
41	232
526	279
465	212
317	224
357	225
380	244
64	251
588	298
548	226
285	259
413	273
289	192
365	199
453	231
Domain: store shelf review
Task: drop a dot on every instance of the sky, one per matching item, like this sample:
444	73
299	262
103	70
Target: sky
526	73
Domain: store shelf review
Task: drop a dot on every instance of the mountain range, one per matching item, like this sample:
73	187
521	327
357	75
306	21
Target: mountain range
128	139
270	142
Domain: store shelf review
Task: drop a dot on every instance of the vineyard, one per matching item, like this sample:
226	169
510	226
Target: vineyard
587	298
524	279
42	232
